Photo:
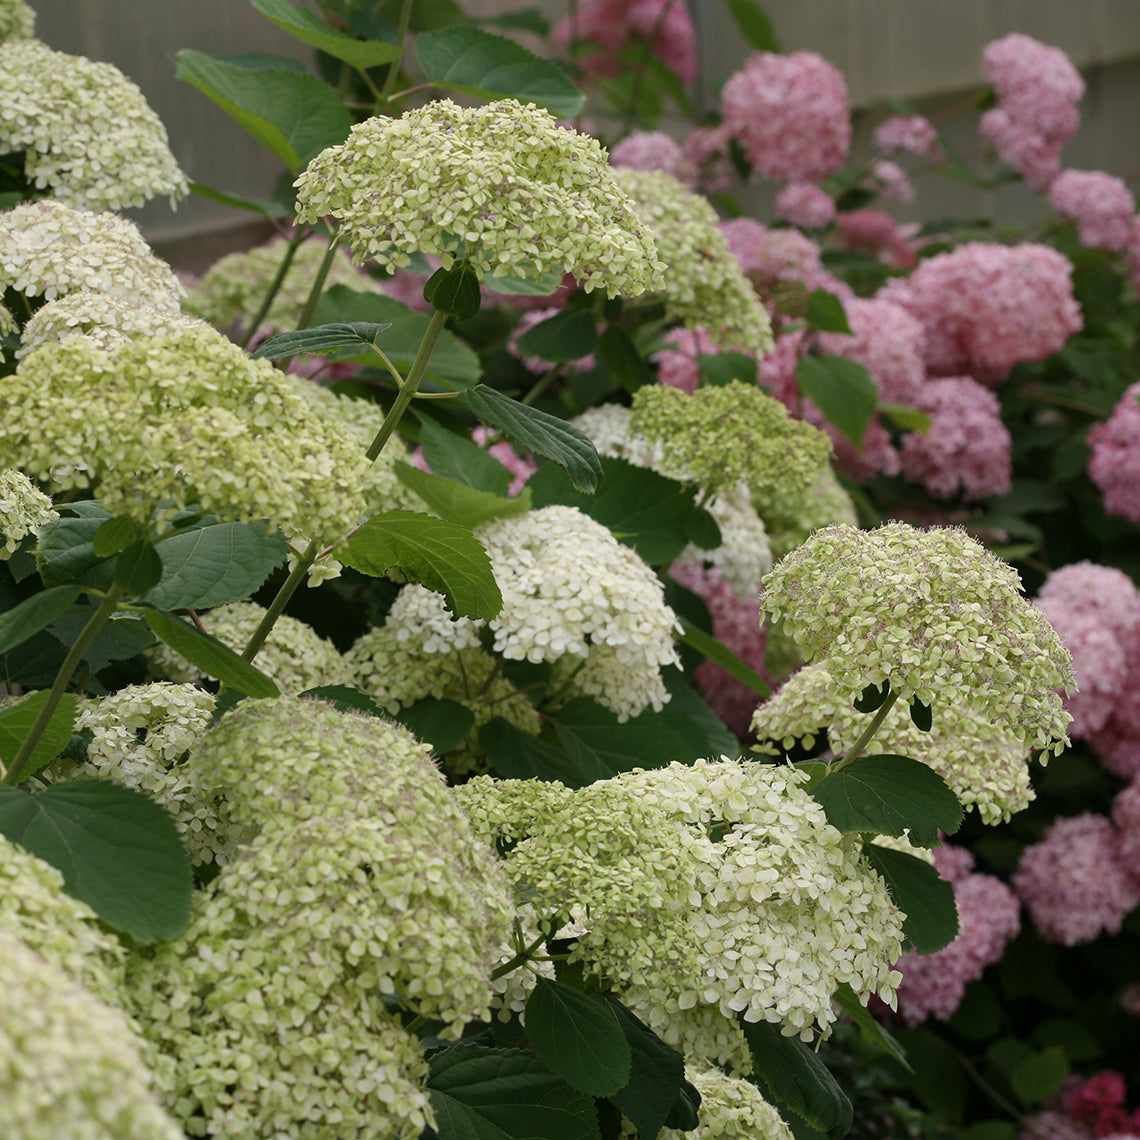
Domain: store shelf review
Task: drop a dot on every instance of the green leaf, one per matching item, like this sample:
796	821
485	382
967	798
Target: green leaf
457	502
453	365
295	115
443	556
842	390
921	894
303	25
906	419
568	335
505	1094
922	715
266	207
455	291
118	852
441	723
825	312
713	650
34	613
114	535
789	1073
720	368
517	755
16	722
124	636
215	563
870	1029
887	795
344	699
578	1037
753	21
138	568
210	655
65	552
1039	1077
460	457
644	510
474	62
323	338
539	432
872	697
507	285
620	355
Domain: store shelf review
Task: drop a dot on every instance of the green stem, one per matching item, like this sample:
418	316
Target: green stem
543	382
275	286
319	283
394	66
103	611
520	959
288	589
854	751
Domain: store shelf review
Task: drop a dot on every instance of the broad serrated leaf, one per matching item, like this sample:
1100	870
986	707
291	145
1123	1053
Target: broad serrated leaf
118	852
266	207
1038	1078
507	285
474	62
138	568
887	795
356	335
753	21
870	1029
35	613
568	335
578	1037
921	894
344	698
65	552
842	390
457	502
906	419
114	535
215	564
539	432
460	457
620	355
210	655
720	654
123	636
517	755
439	722
295	115
644	510
455	291
790	1074
505	1094
16	722
443	556
305	26
720	368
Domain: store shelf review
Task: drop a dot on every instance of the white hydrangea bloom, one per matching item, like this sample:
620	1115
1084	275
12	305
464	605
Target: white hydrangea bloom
86	130
17	20
731	1109
419	617
23	510
8	325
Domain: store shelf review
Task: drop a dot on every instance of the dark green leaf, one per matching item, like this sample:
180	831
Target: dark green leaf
460	457
619	354
790	1074
66	552
887	795
922	715
457	502
720	654
842	390
268	208
578	1037
568	335
825	312
120	638
16	722
118	852
517	755
443	556
210	655
505	1094
906	419
870	1029
295	115
34	613
921	894
441	723
543	285
303	25
323	338
538	432
872	698
474	62
753	21
1039	1077
455	291
524	20
114	535
138	568
344	698
721	368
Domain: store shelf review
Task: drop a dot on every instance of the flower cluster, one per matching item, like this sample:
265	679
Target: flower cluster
48	249
677	363
789	113
502	185
655	150
1114	465
17	20
23	510
86	130
932	612
704	285
731	1109
1099	203
1038	90
911	134
806	204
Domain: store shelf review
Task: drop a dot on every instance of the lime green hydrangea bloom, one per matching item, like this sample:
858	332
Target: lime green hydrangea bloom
933	612
17	21
23	510
704	284
731	1109
825	503
87	132
502	185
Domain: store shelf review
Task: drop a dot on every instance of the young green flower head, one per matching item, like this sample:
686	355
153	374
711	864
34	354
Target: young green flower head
17	20
87	132
704	285
934	613
731	1109
501	184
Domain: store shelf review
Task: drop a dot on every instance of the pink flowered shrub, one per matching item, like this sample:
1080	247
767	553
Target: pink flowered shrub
1099	203
1114	465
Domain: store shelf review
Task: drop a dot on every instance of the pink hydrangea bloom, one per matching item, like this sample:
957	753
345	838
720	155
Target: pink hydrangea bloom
887	341
1099	666
1099	203
769	256
777	371
1101	592
736	623
1133	251
1073	882
805	204
1098	1103
790	114
986	307
1117	744
988	917
677	365
876	233
1126	816
1038	90
610	25
1053	1124
537	364
967	448
654	150
892	181
707	149
1114	465
911	134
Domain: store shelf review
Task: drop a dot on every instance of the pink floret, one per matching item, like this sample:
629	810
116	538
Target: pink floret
805	204
877	233
1099	203
677	365
654	150
779	255
911	134
888	341
1114	465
